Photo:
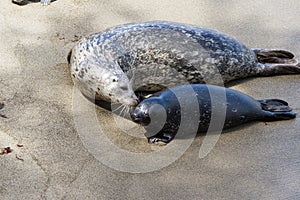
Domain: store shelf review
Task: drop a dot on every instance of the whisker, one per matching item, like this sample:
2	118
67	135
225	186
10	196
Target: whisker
123	112
128	112
118	108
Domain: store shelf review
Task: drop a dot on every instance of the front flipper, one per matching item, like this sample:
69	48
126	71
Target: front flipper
161	137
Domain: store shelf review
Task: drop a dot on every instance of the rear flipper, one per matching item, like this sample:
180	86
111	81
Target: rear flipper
274	105
275	62
275	56
276	116
276	109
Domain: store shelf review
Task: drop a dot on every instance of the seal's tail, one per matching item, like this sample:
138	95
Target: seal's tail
275	116
275	62
274	105
276	109
274	56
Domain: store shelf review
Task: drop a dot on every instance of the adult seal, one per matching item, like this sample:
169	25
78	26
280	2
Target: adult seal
151	56
234	109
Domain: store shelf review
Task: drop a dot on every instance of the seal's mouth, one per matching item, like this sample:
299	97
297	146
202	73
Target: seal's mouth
139	119
132	101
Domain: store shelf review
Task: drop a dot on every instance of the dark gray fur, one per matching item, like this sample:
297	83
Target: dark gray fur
235	108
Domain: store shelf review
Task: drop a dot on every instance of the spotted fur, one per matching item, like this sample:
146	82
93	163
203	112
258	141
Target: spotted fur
155	55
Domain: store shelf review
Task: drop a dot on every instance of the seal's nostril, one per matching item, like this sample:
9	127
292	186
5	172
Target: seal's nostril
132	115
123	86
136	118
133	101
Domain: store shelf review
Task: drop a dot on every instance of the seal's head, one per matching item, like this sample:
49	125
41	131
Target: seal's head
116	88
148	111
104	84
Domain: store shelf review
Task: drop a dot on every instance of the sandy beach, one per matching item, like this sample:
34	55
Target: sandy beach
48	127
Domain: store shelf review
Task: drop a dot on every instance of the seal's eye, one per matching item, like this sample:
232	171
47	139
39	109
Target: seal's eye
114	79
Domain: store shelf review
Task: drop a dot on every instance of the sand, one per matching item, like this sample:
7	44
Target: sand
50	158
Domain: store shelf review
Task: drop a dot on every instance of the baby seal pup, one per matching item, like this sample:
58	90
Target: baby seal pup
238	108
166	54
